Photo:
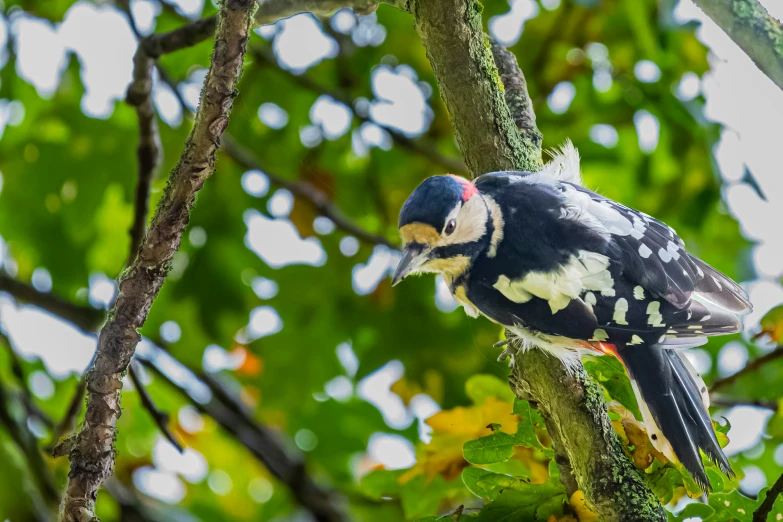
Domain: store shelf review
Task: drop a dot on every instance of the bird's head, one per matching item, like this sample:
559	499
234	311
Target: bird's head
442	225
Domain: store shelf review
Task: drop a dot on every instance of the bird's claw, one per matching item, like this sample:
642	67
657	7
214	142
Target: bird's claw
508	352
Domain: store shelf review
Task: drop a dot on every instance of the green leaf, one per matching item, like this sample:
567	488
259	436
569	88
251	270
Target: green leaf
694	510
471	477
732	506
483	386
663	481
529	419
609	372
519	500
497	447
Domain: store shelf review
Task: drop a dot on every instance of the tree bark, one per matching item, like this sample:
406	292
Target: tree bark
91	450
451	31
484	111
753	29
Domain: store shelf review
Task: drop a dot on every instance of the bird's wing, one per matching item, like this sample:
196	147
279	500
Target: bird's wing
653	256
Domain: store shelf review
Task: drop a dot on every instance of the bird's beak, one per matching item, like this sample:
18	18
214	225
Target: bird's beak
412	258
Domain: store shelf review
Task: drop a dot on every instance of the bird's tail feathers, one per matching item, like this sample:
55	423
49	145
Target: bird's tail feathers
673	401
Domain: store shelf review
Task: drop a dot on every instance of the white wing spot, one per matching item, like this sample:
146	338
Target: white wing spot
600	335
638	228
717	282
662	338
636	340
706	318
644	251
638	293
590	298
664	255
673	250
620	309
654	317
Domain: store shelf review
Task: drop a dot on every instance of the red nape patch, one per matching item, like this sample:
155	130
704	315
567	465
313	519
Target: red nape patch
468	188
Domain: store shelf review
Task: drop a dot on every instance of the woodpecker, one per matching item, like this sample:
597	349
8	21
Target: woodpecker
565	269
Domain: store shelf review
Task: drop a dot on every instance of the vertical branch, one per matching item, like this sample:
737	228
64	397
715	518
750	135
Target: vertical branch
91	450
148	151
452	34
517	98
495	126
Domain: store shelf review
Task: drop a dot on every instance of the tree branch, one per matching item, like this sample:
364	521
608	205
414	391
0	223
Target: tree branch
419	147
148	152
451	32
27	444
762	512
517	98
85	318
729	402
269	11
305	190
586	446
263	443
160	418
751	367
753	29
91	451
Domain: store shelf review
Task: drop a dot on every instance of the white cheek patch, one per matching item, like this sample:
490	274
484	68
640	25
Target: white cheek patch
471	219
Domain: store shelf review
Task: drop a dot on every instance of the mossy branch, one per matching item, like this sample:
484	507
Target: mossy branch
753	29
494	122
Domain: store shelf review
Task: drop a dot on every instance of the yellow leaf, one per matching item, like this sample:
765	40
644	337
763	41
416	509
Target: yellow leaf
583	512
406	389
451	429
539	469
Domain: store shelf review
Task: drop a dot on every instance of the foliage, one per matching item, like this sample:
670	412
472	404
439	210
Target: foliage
66	204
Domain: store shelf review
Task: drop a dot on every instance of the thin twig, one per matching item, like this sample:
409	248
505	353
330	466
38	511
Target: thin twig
422	148
729	402
149	149
28	445
30	406
68	423
91	450
85	318
305	190
751	367
762	512
160	418
319	199
265	445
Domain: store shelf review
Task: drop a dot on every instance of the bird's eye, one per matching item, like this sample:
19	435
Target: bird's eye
450	226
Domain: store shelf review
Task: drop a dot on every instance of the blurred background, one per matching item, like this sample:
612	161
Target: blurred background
275	317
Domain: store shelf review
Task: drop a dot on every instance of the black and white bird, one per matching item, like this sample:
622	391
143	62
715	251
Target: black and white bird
565	269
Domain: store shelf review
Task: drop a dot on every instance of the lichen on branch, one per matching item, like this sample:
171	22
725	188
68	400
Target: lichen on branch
91	450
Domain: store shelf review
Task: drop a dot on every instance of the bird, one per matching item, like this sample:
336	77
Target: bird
568	271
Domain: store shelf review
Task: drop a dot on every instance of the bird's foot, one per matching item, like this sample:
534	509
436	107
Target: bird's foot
509	351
